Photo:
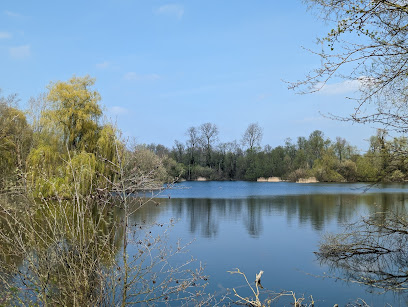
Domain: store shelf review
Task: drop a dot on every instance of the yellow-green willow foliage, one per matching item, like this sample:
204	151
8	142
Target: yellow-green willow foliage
83	179
15	142
46	171
109	150
74	111
67	151
75	154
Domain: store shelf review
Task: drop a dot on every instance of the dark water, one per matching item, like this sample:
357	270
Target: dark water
274	227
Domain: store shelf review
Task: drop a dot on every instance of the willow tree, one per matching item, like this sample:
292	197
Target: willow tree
15	143
70	139
75	111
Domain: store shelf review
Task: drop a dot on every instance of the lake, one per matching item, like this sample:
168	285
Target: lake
274	227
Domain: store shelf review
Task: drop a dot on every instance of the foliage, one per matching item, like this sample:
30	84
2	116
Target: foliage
348	170
298	174
174	170
69	129
324	169
83	169
15	143
65	126
109	149
367	168
397	176
202	171
74	111
314	156
147	166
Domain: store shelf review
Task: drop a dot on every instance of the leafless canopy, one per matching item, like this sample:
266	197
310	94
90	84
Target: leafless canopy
252	136
368	45
193	137
209	133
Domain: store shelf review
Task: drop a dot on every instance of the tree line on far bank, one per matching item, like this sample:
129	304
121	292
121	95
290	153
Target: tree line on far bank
66	125
313	156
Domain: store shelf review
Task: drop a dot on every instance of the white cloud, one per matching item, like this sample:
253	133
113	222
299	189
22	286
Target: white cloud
117	110
347	86
174	10
132	76
103	65
20	52
12	14
5	35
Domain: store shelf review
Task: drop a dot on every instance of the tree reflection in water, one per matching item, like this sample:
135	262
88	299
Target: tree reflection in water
69	253
55	252
204	216
373	251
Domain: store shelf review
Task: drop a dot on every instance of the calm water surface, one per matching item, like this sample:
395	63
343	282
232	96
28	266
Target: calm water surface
274	227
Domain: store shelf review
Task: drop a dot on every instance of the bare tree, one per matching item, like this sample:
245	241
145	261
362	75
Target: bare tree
179	150
209	134
193	137
252	136
36	106
192	142
368	46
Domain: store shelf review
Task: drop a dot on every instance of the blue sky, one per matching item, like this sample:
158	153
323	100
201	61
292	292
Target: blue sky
162	66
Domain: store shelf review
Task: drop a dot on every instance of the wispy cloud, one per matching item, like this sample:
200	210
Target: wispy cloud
174	10
117	110
345	87
12	14
20	52
132	76
5	35
103	65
